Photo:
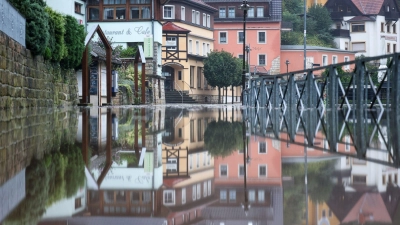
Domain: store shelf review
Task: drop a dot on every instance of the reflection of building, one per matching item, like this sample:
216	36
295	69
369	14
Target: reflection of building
263	186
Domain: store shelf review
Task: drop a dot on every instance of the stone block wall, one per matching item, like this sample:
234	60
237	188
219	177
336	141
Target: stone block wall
27	133
27	81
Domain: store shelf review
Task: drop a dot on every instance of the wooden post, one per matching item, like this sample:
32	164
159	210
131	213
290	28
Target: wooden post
143	83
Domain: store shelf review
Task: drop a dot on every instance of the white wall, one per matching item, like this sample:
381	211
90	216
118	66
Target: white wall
68	7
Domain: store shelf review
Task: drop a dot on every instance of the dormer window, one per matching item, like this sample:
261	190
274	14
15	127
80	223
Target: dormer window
387	8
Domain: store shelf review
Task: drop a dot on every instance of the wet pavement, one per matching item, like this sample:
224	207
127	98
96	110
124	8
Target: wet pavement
198	164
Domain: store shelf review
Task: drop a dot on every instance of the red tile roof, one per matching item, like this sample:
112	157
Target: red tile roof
170	26
368	7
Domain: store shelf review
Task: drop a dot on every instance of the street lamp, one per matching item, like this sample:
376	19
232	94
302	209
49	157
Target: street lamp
287	65
245	7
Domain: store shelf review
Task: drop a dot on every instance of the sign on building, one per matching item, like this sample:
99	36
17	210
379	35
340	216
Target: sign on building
11	22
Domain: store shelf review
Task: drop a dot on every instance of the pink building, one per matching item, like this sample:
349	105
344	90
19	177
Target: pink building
316	56
263	32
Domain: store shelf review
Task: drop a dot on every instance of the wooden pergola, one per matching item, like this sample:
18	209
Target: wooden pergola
85	67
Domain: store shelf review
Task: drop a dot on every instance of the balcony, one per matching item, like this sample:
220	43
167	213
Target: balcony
339	15
340	33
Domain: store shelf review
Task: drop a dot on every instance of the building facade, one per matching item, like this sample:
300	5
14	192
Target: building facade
369	28
263	32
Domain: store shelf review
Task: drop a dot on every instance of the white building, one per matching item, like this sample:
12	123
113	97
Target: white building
75	8
368	27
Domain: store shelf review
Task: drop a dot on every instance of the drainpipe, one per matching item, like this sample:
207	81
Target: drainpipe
152	32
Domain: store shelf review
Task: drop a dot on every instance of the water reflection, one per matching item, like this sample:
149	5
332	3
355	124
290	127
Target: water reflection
198	166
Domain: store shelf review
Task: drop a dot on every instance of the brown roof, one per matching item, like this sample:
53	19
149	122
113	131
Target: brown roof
368	7
204	4
360	18
170	26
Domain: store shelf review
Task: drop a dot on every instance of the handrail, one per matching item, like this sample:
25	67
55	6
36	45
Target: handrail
180	92
188	86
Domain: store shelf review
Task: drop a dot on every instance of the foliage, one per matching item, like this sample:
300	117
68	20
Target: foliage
74	176
222	138
57	32
37	24
293	6
128	52
237	75
74	42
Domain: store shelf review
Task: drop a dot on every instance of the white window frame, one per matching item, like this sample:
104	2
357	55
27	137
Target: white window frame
204	19
258	37
197	160
226	37
347	143
234	12
204	49
252	195
197	17
208	48
172	192
232	192
327	61
266	147
223	192
183	13
194	192
261	197
266	170
219	12
172	11
250	12
198	191
334	59
190	46
238	37
208	20
227	173
183	195
171	39
240	165
346	59
209	187
205	189
193	16
265	58
190	162
197	47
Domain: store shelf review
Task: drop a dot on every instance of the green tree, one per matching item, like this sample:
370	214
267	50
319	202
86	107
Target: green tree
56	49
321	23
37	24
219	69
74	41
222	138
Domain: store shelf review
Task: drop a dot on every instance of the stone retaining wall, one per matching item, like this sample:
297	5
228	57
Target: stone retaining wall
27	81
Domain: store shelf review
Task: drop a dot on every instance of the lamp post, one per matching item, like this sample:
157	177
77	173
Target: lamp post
245	7
305	35
287	65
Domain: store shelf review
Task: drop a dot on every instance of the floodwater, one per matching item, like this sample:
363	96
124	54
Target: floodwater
213	164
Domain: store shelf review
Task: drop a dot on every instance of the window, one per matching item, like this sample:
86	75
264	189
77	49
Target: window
205	189
223	170
394	48
114	2
190	46
382	27
261	60
193	16
194	192
241	170
204	19
324	60
169	197
384	179
209	187
250	12
358	46
169	12
171	43
346	46
260	11
395	178
390	178
78	202
388	27
199	75
240	37
261	37
222	12
197	47
231	12
183	12
190	162
208	20
357	27
197	160
338	26
387	48
198	191
192	85
262	170
394	29
334	59
204	49
262	147
197	17
252	195
223	38
78	8
261	196
192	130
359	179
140	12
232	196
240	56
346	59
208	48
183	195
347	143
112	13
222	195
94	13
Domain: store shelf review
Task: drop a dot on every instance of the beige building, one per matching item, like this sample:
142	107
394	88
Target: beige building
187	39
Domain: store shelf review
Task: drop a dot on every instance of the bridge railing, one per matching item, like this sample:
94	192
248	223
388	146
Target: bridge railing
367	82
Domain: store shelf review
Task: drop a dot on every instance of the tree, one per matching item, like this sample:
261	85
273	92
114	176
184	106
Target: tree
74	40
237	75
219	69
222	138
56	49
322	22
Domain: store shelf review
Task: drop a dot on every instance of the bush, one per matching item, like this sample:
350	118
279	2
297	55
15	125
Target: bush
57	32
74	42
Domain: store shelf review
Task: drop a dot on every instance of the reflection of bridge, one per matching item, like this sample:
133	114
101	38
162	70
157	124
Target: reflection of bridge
295	99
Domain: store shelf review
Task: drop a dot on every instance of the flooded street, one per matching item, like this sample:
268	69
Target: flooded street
197	164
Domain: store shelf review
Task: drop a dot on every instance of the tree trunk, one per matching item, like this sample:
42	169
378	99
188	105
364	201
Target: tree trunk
219	95
226	95
232	94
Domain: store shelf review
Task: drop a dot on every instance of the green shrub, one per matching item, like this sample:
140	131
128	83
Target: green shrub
74	42
57	33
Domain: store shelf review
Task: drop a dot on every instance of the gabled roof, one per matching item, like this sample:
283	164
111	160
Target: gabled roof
360	18
171	27
368	7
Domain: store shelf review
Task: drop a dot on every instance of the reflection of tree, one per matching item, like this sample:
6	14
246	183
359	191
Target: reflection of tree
126	130
57	175
319	187
222	138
